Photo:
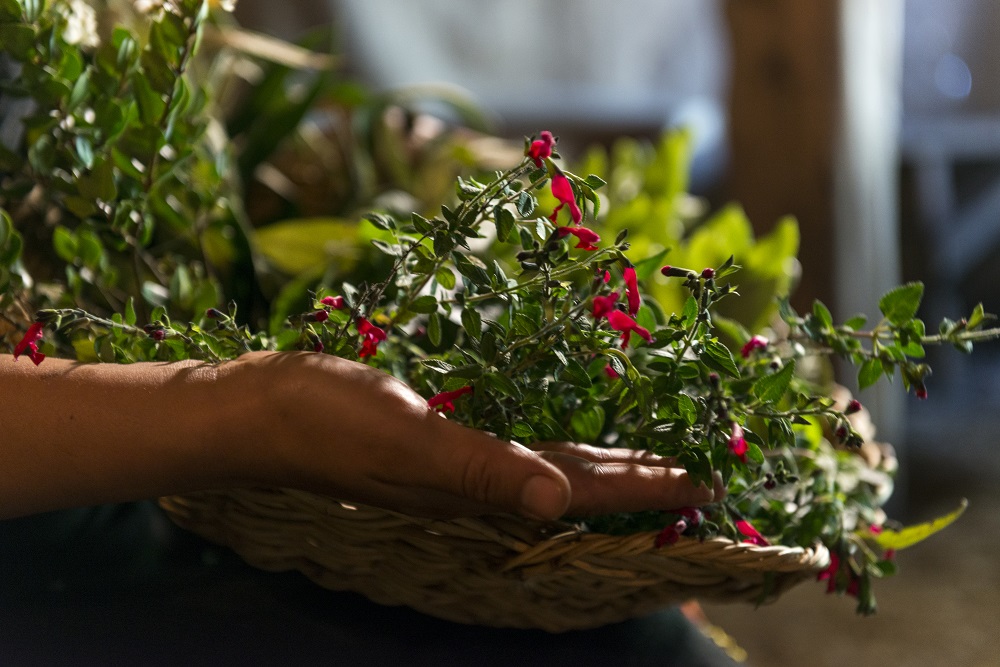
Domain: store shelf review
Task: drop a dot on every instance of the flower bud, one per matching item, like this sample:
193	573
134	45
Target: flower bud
708	273
321	316
157	334
853	406
335	302
215	314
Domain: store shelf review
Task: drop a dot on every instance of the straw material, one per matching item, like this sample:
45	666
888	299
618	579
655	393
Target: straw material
499	571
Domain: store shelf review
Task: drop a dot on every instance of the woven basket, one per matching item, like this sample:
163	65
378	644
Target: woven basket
498	571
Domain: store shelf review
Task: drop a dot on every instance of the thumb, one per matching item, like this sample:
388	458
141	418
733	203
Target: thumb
498	476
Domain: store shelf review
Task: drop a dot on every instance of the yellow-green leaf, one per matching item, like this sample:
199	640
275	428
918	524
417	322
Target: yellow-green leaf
299	245
907	537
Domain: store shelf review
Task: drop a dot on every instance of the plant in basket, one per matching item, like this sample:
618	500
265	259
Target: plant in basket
523	306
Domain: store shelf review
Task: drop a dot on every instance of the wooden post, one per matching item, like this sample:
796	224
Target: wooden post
814	124
784	105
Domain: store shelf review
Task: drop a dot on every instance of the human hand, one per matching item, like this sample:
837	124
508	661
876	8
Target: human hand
348	430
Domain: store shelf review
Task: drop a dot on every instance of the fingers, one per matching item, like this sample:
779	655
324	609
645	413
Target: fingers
606	454
480	471
606	487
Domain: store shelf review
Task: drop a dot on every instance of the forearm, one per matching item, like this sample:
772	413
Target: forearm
78	434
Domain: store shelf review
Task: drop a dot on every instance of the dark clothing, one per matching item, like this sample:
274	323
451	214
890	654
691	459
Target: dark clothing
120	585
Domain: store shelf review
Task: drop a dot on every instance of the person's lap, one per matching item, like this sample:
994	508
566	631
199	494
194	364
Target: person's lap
122	585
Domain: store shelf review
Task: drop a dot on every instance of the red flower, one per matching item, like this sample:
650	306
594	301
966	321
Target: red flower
852	407
671	534
321	316
335	302
694	515
921	392
607	277
371	337
830	573
737	443
751	534
443	402
755	343
619	321
563	191
603	305
611	373
587	237
541	148
29	344
631	291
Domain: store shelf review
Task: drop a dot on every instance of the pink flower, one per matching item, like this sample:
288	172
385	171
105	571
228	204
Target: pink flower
442	402
670	534
603	305
619	321
563	191
371	336
631	291
751	534
335	302
29	344
541	148
587	237
755	343
830	573
321	316
607	277
694	515
737	443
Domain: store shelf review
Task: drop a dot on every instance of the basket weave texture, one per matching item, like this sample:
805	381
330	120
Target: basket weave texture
500	571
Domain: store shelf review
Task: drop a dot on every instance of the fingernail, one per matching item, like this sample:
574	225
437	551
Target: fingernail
543	498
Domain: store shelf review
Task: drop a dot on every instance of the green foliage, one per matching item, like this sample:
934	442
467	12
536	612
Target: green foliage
121	180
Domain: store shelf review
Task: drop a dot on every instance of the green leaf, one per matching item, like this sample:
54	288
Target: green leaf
434	329
391	249
977	316
907	537
645	268
525	204
899	305
424	304
383	222
720	358
690	312
469	372
576	374
869	373
473	323
822	313
437	365
856	322
522	431
445	277
771	388
687	409
64	242
587	424
130	312
503	384
505	222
